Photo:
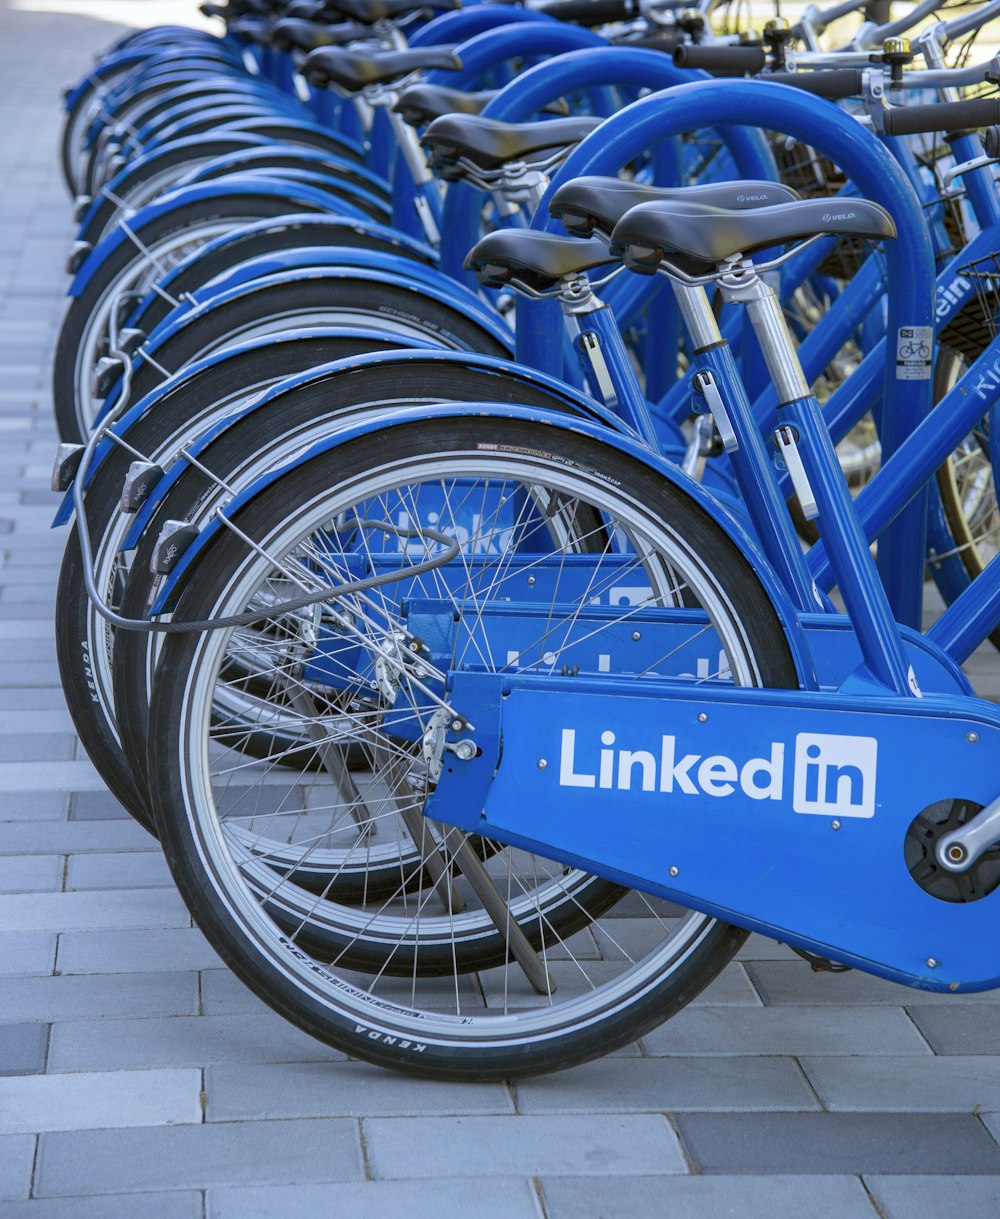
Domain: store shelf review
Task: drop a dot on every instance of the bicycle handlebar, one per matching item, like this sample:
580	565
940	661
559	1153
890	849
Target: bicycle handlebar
721	59
942	116
835	84
591	12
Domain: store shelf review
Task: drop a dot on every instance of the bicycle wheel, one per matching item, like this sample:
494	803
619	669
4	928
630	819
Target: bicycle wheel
168	239
86	642
965	482
447	992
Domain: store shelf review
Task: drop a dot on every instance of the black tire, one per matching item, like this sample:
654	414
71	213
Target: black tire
218	214
364	1017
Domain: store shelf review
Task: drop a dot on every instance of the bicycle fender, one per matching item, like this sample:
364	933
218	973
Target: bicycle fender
630	445
298	196
576	402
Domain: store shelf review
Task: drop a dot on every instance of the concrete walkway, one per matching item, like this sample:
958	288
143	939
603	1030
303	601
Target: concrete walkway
138	1078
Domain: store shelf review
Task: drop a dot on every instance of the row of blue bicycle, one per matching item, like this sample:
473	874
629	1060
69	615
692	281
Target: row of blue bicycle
507	446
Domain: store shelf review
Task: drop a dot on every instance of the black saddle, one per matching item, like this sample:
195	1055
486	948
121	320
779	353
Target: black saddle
355	70
422	104
489	143
295	34
696	237
538	260
588	205
370	11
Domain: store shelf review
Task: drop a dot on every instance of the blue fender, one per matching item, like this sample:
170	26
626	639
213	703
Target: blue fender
442	289
102	204
260	149
352	200
627	444
430	284
151	401
282	263
299	197
304	223
575	401
909	260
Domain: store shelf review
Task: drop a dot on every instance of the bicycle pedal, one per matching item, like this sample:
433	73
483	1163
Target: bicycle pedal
821	965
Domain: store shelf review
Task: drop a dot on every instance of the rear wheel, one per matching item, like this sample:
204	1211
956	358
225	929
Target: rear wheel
445	984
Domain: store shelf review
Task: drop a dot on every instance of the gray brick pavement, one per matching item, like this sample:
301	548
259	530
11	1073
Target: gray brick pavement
138	1078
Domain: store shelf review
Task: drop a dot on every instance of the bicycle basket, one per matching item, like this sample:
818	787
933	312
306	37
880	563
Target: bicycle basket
976	323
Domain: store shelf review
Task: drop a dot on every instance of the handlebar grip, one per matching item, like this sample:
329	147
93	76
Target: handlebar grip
590	12
835	85
991	142
721	59
942	116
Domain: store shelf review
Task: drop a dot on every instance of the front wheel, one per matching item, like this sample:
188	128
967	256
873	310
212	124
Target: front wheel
434	979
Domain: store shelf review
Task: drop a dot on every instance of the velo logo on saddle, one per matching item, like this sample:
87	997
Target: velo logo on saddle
831	775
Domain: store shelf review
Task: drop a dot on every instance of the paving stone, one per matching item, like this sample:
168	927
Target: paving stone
179	948
87	996
186	1204
181	1041
97	911
495	1199
786	1031
195	1157
74	838
834	1197
43	698
22	1049
958	1028
97	806
782	983
936	1197
118	870
938	1085
223	994
32	806
55	776
25	953
41	748
835	1143
35	1103
601	1145
668	1085
249	1093
31	873
27	723
17	1156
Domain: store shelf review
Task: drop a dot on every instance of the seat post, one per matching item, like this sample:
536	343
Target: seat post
804	441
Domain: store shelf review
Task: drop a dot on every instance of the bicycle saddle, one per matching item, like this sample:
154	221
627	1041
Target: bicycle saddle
370	11
538	260
295	34
421	104
354	70
490	143
705	236
588	204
